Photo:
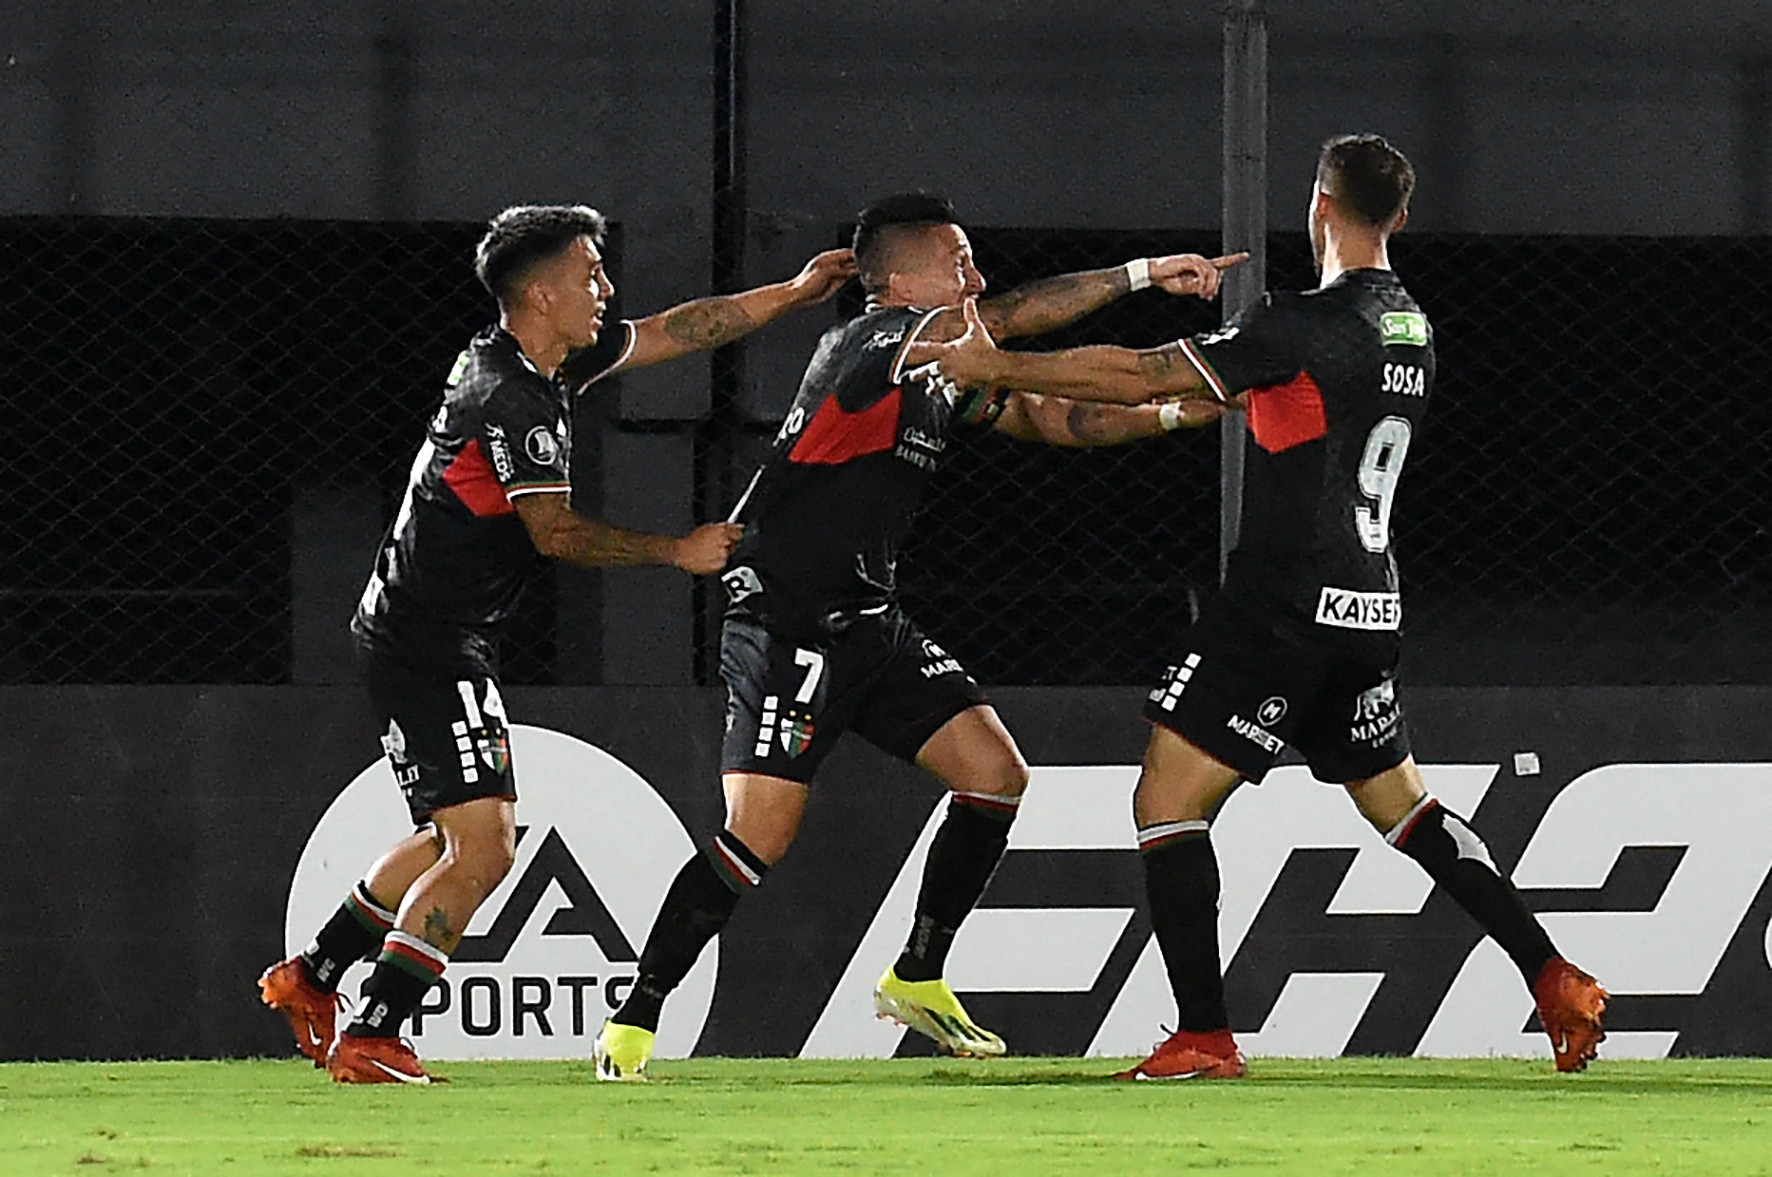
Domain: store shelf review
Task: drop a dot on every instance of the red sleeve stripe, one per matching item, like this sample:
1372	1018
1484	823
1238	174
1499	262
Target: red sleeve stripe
470	476
1198	359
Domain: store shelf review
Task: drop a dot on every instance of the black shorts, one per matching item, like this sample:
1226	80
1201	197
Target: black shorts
447	740
1246	685
786	704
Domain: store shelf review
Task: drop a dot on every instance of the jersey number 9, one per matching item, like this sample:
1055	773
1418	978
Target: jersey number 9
1380	468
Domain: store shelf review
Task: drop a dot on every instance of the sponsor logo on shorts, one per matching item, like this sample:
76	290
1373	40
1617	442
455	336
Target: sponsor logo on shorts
938	661
1350	609
1255	733
1175	681
1271	711
394	743
1402	329
1375	715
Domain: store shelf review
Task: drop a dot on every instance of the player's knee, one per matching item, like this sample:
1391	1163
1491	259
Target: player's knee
1008	776
768	838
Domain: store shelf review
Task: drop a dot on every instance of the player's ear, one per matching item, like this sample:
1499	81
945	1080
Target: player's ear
1402	219
539	295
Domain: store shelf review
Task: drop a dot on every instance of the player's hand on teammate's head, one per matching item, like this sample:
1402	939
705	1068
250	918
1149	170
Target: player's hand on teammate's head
705	550
968	359
1189	273
825	274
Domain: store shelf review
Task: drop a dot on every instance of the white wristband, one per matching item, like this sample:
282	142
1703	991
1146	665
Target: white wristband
1169	416
1138	272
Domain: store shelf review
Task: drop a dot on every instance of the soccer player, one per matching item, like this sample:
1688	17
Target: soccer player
486	503
814	641
1301	647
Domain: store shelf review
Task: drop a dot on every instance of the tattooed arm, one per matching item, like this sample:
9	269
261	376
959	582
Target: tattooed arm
1101	372
1055	420
708	323
1051	303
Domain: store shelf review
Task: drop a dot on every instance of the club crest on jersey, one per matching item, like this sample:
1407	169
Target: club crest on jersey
795	734
495	749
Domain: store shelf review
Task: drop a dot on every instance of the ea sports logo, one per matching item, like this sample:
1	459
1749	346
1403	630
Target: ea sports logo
553	950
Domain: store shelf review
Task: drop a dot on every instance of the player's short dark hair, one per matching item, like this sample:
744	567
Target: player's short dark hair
1366	177
878	227
525	235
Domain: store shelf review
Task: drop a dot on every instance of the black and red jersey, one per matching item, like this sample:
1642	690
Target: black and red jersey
456	557
1338	382
844	479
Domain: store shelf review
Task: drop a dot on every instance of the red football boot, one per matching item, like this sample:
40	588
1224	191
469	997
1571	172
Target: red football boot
1570	1004
375	1060
1186	1054
312	1012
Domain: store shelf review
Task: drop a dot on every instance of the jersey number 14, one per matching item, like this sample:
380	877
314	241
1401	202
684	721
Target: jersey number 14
1381	466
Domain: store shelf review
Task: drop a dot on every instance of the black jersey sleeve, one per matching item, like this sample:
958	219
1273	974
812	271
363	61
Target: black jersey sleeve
588	365
523	429
1264	345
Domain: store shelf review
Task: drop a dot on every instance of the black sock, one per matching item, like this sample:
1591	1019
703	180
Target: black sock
1455	858
354	932
697	906
1181	882
404	972
962	859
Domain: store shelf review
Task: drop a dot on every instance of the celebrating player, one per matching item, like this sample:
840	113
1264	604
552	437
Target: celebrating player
1301	647
488	498
814	641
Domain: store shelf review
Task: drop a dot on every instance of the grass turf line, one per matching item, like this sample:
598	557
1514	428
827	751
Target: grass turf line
915	1117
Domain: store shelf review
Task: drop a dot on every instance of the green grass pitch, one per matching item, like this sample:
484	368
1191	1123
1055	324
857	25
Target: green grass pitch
910	1118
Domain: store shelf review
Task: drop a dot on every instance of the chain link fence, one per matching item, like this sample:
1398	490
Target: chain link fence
1585	505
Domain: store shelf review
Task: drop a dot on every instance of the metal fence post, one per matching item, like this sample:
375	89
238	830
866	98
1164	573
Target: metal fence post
1245	219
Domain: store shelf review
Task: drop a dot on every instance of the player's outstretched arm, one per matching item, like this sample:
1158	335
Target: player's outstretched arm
708	323
1100	372
1051	303
1057	420
562	533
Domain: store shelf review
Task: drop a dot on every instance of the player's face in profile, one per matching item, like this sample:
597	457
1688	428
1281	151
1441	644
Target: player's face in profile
581	290
941	272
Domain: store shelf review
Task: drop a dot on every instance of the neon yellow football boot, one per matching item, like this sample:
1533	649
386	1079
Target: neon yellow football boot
621	1053
931	1009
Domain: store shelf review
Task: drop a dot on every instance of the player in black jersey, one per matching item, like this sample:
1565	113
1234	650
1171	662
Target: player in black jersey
487	502
1301	646
814	642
